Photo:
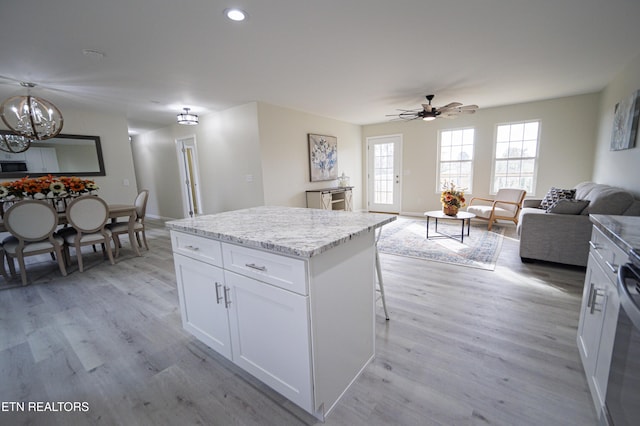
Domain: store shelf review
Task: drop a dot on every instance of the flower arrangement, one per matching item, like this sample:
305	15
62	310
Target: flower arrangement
46	187
452	198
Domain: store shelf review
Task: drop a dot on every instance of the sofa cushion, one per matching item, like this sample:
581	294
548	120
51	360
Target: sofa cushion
565	206
634	209
556	194
604	199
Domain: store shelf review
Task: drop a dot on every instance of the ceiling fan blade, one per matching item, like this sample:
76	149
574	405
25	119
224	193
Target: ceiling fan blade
449	106
468	107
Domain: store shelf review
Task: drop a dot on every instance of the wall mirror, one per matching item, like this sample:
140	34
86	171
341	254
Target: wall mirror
64	155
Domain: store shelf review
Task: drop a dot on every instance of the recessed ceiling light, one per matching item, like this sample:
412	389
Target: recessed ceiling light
235	14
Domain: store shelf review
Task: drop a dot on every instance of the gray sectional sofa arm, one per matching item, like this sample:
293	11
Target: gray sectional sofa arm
554	237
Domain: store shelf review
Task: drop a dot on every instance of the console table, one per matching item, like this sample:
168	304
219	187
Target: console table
338	198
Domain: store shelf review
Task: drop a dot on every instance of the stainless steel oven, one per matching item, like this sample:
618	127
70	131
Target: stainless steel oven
622	402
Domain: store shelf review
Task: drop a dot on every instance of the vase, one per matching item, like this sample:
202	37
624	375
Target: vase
449	210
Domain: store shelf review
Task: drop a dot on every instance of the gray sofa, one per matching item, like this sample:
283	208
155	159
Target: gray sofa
564	237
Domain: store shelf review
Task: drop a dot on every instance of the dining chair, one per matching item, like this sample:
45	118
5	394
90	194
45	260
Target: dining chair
506	206
87	216
32	226
120	228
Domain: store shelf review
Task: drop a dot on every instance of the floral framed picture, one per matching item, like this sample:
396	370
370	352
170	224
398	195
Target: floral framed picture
625	122
323	157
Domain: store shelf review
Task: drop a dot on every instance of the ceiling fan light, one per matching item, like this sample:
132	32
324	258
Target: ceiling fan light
187	118
429	118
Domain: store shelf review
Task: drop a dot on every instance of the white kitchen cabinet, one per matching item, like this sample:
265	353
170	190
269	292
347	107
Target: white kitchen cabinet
599	314
42	160
303	326
201	291
10	156
270	336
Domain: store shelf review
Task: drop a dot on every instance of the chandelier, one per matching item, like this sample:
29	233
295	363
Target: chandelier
187	118
10	142
31	117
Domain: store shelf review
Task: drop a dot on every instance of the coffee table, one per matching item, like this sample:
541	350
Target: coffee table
461	216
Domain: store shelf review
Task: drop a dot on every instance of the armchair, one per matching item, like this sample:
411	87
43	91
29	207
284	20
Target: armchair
506	206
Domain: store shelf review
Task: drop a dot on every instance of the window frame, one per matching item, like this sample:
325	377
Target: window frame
439	161
492	184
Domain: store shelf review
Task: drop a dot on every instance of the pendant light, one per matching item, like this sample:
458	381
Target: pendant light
12	143
187	118
31	117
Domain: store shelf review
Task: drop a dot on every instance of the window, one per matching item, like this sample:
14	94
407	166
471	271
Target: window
516	156
456	158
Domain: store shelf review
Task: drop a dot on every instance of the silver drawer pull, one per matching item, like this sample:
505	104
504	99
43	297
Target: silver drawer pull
192	248
594	245
612	267
254	266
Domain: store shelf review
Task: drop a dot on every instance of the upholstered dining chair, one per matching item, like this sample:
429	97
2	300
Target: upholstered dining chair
31	224
506	206
120	228
87	216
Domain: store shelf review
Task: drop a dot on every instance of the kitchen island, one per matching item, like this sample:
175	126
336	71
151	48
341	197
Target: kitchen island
287	294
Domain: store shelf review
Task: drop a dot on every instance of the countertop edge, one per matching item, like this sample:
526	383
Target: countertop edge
275	247
611	227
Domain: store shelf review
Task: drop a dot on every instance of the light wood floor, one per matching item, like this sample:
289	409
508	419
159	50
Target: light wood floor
463	347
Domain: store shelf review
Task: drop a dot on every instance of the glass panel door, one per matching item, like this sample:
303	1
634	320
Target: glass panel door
383	177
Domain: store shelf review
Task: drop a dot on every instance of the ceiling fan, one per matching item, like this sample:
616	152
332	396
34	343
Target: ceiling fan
429	112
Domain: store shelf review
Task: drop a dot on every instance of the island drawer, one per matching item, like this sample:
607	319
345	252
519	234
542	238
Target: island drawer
607	253
196	247
281	271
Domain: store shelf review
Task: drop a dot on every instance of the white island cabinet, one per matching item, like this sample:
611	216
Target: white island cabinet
286	294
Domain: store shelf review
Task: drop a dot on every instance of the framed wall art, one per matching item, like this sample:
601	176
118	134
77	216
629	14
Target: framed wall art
625	122
323	157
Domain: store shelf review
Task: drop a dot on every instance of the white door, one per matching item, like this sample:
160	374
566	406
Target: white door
270	336
188	159
202	303
384	163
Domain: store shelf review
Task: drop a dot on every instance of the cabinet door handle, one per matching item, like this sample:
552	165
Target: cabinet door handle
597	293
612	267
254	266
218	297
227	298
590	298
594	245
192	248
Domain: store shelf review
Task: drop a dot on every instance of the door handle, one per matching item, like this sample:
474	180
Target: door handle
218	297
597	293
227	298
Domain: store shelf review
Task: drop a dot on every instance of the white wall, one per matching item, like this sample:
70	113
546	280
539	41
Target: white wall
619	168
228	154
567	142
116	151
254	154
285	154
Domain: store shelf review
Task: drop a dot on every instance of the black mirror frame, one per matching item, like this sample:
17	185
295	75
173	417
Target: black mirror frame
98	146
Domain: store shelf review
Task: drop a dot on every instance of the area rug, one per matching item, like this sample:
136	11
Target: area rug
407	237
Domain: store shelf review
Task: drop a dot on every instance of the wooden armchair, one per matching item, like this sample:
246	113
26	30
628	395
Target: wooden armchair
506	206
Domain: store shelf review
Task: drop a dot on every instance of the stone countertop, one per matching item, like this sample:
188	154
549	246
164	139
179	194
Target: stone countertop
292	231
624	231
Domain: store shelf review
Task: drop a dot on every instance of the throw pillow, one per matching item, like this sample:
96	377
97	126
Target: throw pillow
556	194
565	206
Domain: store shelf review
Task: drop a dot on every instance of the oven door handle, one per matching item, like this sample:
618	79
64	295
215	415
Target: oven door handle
628	277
